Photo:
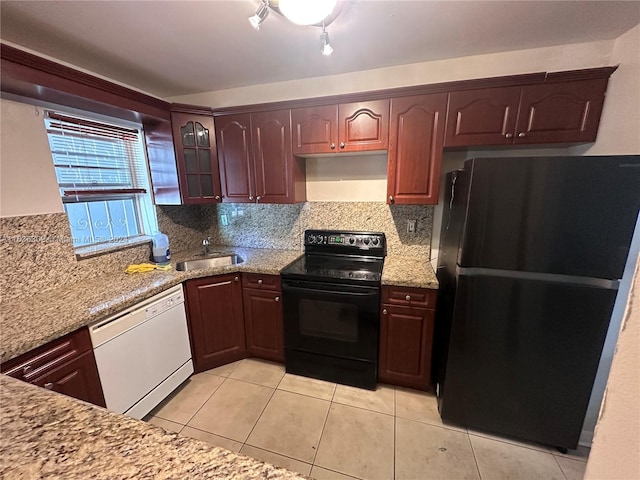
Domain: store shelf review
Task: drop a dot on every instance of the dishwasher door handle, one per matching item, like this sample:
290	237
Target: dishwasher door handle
103	332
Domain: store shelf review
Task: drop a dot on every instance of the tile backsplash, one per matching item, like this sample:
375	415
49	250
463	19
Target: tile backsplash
38	255
282	226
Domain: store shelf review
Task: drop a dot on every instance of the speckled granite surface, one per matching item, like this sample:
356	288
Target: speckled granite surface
47	435
409	272
28	321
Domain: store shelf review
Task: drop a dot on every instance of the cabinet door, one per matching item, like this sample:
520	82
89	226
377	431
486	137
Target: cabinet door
415	149
482	117
263	322
314	130
406	340
196	157
363	126
271	133
561	112
216	325
78	378
233	134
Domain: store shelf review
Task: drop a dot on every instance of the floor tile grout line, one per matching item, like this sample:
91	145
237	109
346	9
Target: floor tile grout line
324	425
211	433
276	453
261	413
475	458
536	449
205	402
560	467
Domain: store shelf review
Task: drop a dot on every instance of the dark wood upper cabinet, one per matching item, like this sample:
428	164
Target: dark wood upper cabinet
215	319
548	112
560	112
315	129
233	135
66	365
482	117
348	127
415	149
256	164
196	157
363	126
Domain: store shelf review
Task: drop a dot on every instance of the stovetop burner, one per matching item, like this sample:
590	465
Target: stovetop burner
340	256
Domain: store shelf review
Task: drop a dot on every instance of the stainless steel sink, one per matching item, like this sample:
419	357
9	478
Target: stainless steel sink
210	262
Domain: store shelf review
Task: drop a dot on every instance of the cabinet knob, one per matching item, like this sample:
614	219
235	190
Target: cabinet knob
26	370
251	197
48	386
408	298
508	135
277	299
217	197
522	134
260	282
258	198
236	279
384	311
341	144
333	146
391	198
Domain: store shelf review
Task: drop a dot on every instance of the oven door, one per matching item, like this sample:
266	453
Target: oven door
331	319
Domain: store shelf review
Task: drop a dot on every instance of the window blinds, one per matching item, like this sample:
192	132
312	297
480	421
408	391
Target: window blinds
94	159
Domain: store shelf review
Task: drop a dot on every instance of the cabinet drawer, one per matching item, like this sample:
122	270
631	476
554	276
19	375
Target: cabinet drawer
409	296
262	282
42	360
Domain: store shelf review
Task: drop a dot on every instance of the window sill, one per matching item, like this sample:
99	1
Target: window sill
110	247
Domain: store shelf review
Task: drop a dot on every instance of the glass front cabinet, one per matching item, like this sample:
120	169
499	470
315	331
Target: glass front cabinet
194	140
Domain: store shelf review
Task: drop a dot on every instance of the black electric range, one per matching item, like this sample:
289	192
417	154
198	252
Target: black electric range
331	307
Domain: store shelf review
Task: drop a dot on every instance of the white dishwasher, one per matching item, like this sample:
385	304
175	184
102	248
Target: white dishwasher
143	353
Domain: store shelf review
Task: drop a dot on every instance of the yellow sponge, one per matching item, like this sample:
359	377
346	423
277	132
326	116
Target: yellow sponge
147	267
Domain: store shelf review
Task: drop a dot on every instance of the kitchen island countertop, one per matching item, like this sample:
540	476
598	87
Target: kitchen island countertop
48	435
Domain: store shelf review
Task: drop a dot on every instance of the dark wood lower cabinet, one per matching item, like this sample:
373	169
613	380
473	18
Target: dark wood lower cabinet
216	323
263	323
78	378
406	339
66	365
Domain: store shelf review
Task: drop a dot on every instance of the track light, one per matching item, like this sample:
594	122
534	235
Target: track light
261	13
326	48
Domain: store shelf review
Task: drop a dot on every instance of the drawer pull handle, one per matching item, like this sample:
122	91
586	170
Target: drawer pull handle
260	282
48	386
237	279
522	134
508	135
26	370
333	146
408	298
277	299
342	145
384	311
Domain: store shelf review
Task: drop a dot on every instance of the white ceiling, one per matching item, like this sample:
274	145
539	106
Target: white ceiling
170	48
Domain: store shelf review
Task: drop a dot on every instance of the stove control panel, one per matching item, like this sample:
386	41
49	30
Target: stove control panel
345	240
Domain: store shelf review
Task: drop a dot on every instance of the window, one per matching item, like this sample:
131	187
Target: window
103	180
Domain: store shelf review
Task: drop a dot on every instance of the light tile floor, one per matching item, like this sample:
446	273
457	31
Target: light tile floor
336	432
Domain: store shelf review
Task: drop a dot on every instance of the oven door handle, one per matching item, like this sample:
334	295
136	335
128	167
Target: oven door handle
331	290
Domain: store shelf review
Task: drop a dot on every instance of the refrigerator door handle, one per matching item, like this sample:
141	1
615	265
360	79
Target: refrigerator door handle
541	277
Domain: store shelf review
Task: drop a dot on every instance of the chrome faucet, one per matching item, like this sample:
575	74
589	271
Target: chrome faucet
205	245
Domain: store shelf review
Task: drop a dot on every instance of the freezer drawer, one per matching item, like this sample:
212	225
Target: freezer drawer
523	355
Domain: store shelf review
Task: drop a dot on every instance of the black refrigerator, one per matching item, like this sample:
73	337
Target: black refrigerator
531	253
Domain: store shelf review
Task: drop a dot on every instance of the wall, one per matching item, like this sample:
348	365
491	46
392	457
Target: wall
28	184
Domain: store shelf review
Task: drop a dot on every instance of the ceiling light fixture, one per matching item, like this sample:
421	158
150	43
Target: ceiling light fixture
326	48
306	12
261	14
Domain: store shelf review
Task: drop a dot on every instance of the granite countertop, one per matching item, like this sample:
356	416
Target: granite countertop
409	272
48	435
28	322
